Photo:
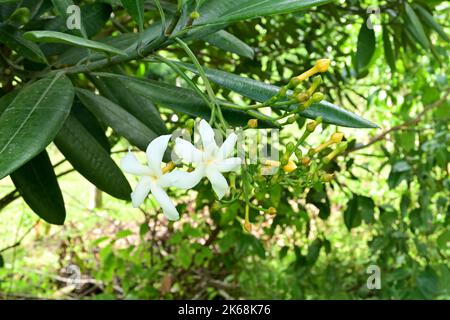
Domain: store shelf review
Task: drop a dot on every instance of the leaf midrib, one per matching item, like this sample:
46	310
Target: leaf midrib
29	114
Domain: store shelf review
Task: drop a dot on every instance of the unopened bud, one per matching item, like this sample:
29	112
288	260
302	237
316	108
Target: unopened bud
327	177
252	123
194	15
272	211
190	123
337	137
322	65
317	97
248	226
305	161
290	147
292	119
302	97
289	167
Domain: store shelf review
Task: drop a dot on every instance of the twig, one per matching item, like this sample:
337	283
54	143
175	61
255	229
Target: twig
402	126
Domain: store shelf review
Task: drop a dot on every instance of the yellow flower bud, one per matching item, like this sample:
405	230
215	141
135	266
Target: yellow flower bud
337	137
248	226
289	167
302	97
305	161
322	65
252	123
272	211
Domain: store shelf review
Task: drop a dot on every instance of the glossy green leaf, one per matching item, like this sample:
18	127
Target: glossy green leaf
415	27
228	42
428	19
13	39
365	48
219	11
7	99
38	186
90	123
388	49
91	159
59	37
176	98
261	91
117	118
136	10
32	120
140	107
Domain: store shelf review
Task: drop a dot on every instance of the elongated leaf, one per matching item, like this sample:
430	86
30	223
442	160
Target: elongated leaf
59	37
416	28
427	17
388	50
261	91
365	48
90	159
228	42
117	118
136	10
6	100
32	120
38	186
90	123
179	99
219	11
13	39
142	108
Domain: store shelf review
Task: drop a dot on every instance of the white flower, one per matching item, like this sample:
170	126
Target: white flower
152	178
210	162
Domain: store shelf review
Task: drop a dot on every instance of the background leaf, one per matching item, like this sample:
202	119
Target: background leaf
91	159
37	184
365	48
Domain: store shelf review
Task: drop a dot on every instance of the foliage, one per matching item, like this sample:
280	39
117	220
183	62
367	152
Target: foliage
149	68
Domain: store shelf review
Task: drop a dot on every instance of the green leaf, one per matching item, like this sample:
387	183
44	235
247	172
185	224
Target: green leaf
176	98
90	123
219	11
2	261
388	49
32	120
415	26
117	118
7	99
59	37
91	159
365	48
261	91
427	17
367	208
352	215
228	42
136	10
38	186
142	108
13	39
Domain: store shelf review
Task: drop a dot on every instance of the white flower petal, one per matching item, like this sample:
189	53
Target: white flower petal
206	133
165	202
155	152
130	164
141	191
227	148
187	151
218	182
181	179
228	165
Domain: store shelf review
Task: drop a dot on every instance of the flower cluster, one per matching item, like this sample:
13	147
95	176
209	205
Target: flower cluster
210	161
